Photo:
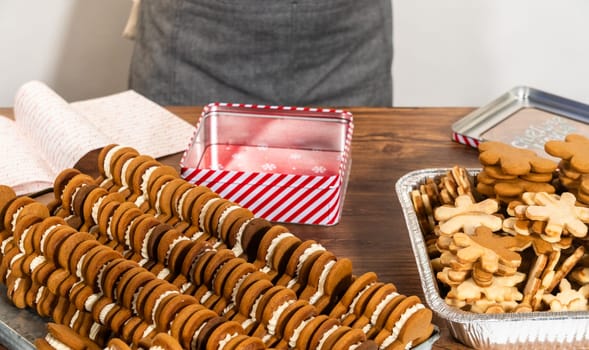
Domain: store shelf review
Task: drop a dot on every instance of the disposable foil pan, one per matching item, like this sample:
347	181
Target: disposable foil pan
549	330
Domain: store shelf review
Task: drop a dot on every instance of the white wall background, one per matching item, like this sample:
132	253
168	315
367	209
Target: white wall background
447	53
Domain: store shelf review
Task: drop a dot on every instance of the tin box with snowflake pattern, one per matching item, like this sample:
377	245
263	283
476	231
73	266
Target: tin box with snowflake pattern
285	164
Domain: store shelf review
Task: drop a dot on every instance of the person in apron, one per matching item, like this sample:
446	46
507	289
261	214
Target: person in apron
279	52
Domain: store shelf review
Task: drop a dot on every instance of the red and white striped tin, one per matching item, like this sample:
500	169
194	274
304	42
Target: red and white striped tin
285	164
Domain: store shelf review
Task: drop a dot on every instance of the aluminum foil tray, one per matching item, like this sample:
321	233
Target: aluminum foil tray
534	330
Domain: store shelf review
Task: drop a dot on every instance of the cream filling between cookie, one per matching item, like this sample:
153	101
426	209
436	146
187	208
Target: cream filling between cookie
158	301
273	322
96	327
380	307
104	312
185	287
399	325
203	212
325	336
95	209
144	193
150	328
238	249
158	198
255	307
56	344
226	340
196	334
45	235
171	247
321	285
206	296
315	247
180	205
92	299
237	286
355	346
15	258
109	230
15	218
5	244
224	216
39	294
124	168
76	191
38	260
23	237
108	160
74	318
272	248
165	272
145	243
292	342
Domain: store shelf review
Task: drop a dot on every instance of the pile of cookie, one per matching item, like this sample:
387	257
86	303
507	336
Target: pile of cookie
140	258
516	241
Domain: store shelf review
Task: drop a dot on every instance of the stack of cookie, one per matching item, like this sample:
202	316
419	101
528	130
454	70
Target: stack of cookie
510	171
513	251
574	165
139	252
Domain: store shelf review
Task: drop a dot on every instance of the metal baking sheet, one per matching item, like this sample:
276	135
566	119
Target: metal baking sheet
19	327
524	117
549	330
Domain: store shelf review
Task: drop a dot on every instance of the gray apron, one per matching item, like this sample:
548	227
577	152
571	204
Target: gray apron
280	52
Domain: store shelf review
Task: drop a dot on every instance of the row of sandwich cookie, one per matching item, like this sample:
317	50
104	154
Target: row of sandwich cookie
164	305
125	226
272	240
125	311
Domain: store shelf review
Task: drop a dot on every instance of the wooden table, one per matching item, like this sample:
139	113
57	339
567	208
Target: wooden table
387	143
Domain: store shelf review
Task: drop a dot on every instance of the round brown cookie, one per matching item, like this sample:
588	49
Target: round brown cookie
179	195
27	261
16	290
154	300
164	341
247	296
310	328
148	185
105	217
295	321
117	344
91	203
248	240
221	274
221	257
205	332
163	205
417	326
361	300
61	180
333	334
118	168
281	331
176	256
76	254
169	309
198	275
118	319
111	275
41	272
225	330
214	214
297	258
152	241
140	232
45	302
272	235
192	257
23	232
205	210
194	325
364	320
80	198
147	295
230	224
106	152
358	285
165	244
233	277
71	247
381	320
61	334
60	310
130	283
60	281
231	342
140	172
128	172
7	196
156	188
53	240
121	222
282	254
323	262
98	307
197	211
181	317
243	285
185	203
129	327
93	265
70	190
270	309
351	338
14	210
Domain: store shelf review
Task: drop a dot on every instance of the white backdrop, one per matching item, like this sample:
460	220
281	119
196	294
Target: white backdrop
447	53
